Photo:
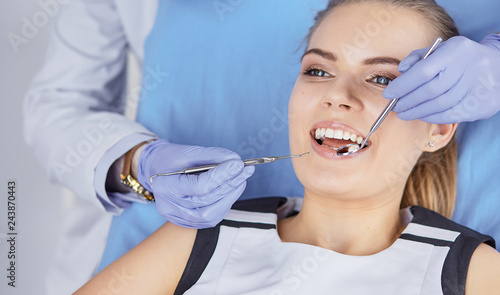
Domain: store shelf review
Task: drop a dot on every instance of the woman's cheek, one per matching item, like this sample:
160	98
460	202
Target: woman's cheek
406	137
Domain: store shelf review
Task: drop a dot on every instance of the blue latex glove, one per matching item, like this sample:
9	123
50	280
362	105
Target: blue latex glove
192	200
459	82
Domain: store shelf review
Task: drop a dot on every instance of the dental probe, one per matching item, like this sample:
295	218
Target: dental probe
256	161
352	148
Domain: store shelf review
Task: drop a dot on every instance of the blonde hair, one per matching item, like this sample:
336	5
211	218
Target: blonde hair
432	182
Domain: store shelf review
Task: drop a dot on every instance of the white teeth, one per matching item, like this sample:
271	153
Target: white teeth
353	148
338	134
322	133
330	133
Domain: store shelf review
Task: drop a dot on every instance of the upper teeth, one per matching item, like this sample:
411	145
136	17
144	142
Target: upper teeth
322	133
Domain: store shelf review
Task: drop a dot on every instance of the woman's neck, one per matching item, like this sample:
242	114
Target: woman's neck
352	228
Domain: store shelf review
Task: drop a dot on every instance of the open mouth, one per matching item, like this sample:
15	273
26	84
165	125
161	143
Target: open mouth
336	138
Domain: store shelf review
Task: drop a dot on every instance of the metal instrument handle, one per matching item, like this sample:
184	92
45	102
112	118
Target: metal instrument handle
393	102
204	168
248	162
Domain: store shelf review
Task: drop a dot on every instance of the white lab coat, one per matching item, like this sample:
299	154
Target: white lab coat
73	121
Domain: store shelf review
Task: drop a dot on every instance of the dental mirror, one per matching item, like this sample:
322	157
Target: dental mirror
353	147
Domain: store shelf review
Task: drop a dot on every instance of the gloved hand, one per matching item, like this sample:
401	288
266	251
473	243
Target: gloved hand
190	200
459	82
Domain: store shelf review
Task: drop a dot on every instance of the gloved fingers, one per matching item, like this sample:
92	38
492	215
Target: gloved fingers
471	66
453	115
469	109
443	58
492	40
434	106
446	117
218	193
421	73
202	211
162	156
227	188
448	100
204	216
427	92
182	185
192	156
220	175
214	158
415	77
230	173
213	214
411	60
179	215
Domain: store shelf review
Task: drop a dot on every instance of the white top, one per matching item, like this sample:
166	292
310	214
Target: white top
245	255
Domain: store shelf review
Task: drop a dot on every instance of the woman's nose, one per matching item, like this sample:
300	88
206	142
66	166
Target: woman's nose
342	95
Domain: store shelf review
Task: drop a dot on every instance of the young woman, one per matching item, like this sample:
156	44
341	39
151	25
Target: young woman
354	232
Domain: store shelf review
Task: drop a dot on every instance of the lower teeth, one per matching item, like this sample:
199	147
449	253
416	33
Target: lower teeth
333	148
353	148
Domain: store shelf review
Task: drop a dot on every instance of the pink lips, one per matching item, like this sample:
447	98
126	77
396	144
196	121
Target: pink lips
329	153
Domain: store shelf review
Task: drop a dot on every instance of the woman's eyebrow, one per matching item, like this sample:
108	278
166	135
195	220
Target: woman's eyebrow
368	61
381	60
320	52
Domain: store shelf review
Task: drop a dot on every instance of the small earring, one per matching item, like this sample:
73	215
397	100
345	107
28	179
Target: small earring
431	144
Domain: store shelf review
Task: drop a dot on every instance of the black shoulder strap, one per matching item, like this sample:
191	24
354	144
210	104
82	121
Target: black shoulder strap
203	249
456	264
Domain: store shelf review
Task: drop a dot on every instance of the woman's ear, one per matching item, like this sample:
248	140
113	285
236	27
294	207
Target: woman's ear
439	136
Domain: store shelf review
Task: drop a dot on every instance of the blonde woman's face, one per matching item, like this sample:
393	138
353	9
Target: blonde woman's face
351	58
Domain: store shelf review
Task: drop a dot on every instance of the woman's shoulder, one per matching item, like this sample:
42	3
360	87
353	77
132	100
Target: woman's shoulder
484	272
472	263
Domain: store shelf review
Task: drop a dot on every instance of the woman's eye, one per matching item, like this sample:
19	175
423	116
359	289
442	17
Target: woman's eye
381	80
317	73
